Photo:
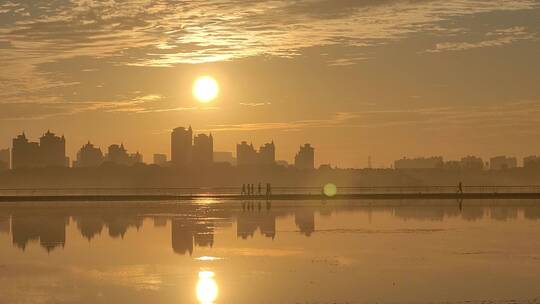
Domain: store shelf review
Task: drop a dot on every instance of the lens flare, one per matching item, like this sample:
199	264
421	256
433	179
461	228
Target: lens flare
207	288
330	190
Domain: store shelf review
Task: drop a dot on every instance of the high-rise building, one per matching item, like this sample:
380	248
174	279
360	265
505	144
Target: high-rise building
245	154
25	154
118	155
181	146
419	163
267	154
531	162
135	158
160	159
305	158
502	162
472	163
5	159
89	156
53	150
203	150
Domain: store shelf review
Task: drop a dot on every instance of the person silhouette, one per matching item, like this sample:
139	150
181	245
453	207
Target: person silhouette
460	188
243	189
259	188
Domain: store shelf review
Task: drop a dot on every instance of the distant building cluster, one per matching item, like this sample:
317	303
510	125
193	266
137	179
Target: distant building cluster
197	150
50	151
187	149
419	163
466	163
248	156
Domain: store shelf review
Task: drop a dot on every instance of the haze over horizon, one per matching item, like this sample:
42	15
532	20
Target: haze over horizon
362	78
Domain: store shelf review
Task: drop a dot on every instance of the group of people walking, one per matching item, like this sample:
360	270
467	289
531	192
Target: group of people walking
249	189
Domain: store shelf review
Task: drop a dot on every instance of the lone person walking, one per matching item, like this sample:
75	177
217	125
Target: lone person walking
460	188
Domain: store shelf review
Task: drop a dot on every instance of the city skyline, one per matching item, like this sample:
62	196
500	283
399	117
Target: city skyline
198	149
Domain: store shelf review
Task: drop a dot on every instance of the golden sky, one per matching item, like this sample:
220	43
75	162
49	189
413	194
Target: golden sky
355	78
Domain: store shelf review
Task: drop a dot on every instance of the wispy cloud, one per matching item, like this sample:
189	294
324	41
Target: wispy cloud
164	33
525	114
255	104
496	38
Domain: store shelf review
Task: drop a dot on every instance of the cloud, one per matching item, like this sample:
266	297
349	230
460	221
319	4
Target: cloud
497	38
525	114
255	104
164	33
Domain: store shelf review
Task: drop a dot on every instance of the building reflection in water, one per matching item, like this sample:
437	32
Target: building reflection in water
49	230
194	225
305	220
207	288
5	224
247	224
186	233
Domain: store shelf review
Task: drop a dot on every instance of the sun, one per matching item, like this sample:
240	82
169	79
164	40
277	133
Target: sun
205	89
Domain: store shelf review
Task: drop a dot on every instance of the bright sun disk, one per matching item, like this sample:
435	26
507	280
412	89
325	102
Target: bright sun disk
205	89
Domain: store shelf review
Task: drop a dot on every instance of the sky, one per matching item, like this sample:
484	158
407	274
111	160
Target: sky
355	78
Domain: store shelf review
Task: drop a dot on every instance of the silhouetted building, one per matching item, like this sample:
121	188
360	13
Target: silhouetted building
305	158
419	163
136	158
224	157
203	150
117	154
160	159
267	154
53	150
245	154
502	163
452	165
472	163
531	162
5	159
181	146
89	156
25	154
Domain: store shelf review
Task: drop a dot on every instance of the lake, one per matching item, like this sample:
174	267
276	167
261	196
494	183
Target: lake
210	251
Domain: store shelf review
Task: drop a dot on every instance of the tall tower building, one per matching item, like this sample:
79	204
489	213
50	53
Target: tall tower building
245	154
305	158
267	154
53	150
181	146
89	156
118	155
203	150
25	154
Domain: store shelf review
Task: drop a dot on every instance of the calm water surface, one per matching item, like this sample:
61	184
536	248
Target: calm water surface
283	252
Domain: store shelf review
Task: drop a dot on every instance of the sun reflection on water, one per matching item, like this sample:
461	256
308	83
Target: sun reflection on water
207	288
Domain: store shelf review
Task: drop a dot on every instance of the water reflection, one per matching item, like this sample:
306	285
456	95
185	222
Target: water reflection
207	288
193	225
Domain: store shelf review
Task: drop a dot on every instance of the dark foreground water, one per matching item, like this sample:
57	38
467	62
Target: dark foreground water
283	252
